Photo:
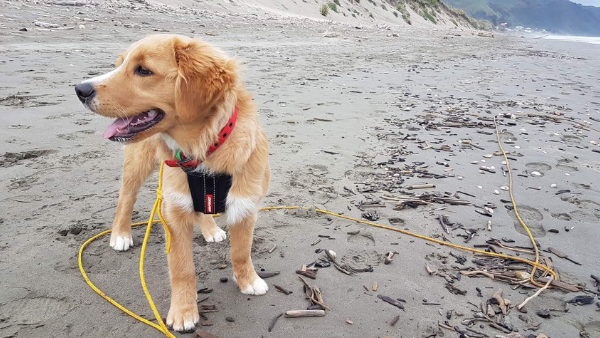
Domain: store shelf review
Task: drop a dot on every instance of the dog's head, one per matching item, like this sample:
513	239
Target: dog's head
159	82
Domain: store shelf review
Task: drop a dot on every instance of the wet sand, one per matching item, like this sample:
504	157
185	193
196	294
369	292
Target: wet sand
383	95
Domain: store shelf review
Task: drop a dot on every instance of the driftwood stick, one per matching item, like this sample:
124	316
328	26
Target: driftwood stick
444	226
446	327
314	294
318	296
273	322
520	306
335	263
421	186
304	313
282	290
404	196
477	272
498	297
307	273
561	285
399	199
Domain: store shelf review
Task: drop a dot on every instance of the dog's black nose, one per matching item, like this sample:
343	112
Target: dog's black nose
85	91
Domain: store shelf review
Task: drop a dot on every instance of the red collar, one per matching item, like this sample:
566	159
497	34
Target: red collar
188	163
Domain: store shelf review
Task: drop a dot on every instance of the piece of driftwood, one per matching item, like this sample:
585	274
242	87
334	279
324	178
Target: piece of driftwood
314	295
274	321
547	262
498	297
443	224
497	242
336	264
388	257
429	270
520	306
204	334
391	301
560	284
307	273
453	289
421	186
562	255
282	290
477	272
304	313
413	201
267	274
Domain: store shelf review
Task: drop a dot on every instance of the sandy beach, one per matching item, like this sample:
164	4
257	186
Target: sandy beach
354	111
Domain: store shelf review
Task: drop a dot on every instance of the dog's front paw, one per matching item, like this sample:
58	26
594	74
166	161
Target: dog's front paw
256	286
183	318
215	234
121	242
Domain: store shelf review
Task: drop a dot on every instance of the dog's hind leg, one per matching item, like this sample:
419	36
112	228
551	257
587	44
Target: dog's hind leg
140	161
209	228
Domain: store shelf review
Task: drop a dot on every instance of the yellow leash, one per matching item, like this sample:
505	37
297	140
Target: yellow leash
156	210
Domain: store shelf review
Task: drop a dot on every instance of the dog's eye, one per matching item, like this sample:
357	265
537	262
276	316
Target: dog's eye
141	71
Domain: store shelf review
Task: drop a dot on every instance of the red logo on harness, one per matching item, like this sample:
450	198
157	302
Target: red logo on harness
210	204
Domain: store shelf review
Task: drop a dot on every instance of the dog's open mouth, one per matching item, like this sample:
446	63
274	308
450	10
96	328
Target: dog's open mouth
124	129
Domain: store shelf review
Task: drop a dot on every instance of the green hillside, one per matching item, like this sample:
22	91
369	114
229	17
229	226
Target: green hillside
556	16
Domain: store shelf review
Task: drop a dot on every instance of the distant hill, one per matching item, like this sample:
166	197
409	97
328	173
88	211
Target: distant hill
418	14
555	16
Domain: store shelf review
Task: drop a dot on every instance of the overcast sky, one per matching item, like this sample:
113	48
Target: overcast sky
588	2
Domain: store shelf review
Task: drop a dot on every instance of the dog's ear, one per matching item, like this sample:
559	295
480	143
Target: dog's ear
204	77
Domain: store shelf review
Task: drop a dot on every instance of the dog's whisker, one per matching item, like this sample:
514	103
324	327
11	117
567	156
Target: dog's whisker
119	110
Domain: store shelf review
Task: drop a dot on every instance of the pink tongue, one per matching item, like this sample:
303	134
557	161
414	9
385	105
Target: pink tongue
117	127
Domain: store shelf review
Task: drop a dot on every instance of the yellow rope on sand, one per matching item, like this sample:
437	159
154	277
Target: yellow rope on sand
512	200
156	209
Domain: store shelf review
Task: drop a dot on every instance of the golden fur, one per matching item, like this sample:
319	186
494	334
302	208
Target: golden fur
197	88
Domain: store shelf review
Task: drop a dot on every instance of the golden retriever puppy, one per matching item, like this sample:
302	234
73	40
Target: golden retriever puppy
181	100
